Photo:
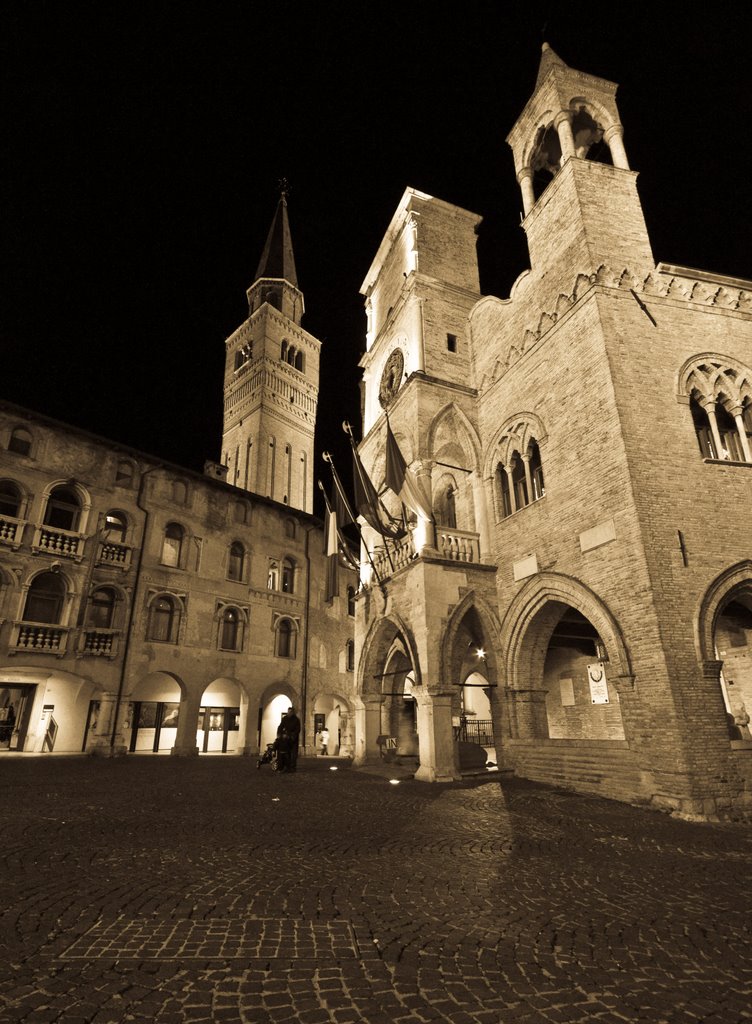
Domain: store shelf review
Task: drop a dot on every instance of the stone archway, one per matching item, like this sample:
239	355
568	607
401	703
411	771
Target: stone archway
566	664
724	642
155	719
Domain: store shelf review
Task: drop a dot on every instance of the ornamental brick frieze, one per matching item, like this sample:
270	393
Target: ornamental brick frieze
657	283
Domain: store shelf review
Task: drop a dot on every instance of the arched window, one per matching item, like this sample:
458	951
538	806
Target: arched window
519	483
286	637
283	352
288	576
272	578
731	445
299	364
115	527
240	513
536	471
230	630
20	441
236	562
44	601
172	545
101	609
351	600
10	499
290	528
164	620
350	655
719	390
63	509
506	501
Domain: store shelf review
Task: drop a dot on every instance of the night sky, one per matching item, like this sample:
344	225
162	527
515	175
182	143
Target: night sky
143	145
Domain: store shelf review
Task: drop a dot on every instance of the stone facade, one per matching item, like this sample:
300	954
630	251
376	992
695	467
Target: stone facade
145	607
585	444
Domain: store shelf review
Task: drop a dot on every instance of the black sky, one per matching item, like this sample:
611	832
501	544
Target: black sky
143	145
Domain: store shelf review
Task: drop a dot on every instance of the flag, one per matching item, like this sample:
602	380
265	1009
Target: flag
331	544
366	496
402	480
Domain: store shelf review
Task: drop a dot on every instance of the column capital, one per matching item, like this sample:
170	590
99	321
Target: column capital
560	118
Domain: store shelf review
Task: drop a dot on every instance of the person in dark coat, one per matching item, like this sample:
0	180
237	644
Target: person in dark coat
291	725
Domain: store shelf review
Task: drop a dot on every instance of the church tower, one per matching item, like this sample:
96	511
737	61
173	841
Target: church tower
272	382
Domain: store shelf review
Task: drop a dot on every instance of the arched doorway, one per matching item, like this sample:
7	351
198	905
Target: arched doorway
270	715
399	728
219	718
154	713
332	712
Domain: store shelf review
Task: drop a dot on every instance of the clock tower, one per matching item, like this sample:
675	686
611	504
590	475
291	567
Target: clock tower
272	382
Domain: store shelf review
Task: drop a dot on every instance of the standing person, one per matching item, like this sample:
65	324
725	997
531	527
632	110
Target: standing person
324	737
291	724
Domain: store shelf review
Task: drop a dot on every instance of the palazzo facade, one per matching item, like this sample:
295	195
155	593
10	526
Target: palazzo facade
148	608
580	600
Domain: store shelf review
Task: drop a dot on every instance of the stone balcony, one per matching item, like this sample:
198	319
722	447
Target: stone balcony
114	554
102	643
39	638
452	545
63	543
11	531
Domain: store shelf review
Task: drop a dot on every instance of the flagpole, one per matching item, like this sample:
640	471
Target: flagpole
338	484
348	430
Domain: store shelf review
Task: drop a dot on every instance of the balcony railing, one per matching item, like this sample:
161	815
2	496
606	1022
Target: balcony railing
457	545
401	553
112	553
40	638
55	541
11	531
102	642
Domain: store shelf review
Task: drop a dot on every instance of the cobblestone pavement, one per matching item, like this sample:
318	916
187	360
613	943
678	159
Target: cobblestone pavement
160	890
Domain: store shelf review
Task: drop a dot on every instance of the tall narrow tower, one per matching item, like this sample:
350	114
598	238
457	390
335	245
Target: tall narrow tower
272	382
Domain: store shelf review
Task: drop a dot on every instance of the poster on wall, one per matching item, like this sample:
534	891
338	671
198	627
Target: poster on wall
598	685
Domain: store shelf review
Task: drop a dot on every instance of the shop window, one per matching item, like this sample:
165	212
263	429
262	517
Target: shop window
20	441
101	609
351	600
286	638
350	655
44	600
236	562
63	509
115	527
10	499
230	630
288	576
164	620
172	545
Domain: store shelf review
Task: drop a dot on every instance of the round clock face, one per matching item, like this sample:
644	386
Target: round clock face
391	378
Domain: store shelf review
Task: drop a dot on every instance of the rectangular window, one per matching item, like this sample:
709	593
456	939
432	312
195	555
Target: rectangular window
451	342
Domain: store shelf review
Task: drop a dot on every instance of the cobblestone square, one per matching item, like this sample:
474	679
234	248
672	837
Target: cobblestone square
160	889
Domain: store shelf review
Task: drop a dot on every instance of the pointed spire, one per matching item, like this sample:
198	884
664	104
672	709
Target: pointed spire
277	260
548	60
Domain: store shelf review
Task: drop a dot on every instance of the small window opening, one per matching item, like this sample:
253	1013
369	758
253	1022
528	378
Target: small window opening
451	342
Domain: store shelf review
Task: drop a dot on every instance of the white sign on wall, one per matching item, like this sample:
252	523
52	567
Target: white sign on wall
566	688
598	685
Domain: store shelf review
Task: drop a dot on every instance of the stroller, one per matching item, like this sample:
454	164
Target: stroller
277	754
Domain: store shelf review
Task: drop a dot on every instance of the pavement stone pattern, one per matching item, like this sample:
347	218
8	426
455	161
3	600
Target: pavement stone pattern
157	889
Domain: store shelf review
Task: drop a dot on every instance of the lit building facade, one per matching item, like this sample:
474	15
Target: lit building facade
581	598
148	608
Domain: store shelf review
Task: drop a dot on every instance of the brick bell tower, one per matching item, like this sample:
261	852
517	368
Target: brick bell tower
579	195
271	381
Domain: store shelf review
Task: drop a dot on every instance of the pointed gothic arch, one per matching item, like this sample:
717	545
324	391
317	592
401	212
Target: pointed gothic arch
377	648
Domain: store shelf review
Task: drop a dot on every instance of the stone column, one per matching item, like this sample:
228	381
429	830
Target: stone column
709	407
528	478
438	759
100	743
613	138
367	717
185	737
525	179
481	516
512	495
248	731
736	412
563	127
